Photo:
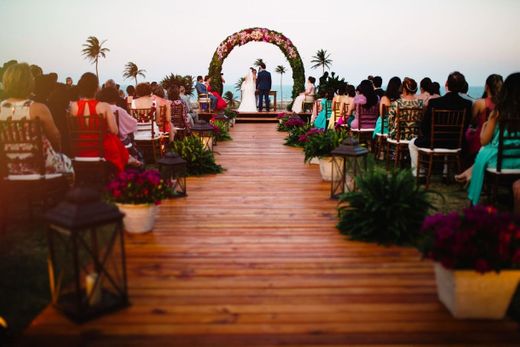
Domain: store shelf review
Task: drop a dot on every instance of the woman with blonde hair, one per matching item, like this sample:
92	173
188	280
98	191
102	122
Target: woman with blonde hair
18	83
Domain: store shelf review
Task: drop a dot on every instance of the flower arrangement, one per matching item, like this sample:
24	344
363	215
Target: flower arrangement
289	123
258	35
282	115
133	186
308	134
321	143
220	130
296	134
479	238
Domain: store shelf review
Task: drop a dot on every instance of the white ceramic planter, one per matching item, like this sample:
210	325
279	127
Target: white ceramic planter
315	161
326	169
469	294
139	218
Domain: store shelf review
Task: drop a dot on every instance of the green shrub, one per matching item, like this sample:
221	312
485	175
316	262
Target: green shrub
199	160
221	130
323	142
387	208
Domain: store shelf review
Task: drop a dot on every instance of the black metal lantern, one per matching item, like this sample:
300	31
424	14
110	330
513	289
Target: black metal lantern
349	160
87	269
173	169
204	131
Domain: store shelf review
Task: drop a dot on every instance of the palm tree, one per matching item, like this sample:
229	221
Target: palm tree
258	62
132	71
238	85
281	70
93	50
321	59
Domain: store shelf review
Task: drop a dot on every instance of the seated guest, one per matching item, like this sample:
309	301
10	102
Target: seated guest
425	87
480	112
121	102
87	105
18	83
68	82
324	110
143	97
130	92
506	108
392	93
365	97
377	81
464	92
192	114
435	90
160	101
221	104
451	101
179	109
306	96
406	100
201	88
516	193
127	125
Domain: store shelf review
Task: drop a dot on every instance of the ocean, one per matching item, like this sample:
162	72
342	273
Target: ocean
474	91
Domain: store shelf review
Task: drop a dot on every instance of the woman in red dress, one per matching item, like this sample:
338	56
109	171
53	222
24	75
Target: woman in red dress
87	105
221	103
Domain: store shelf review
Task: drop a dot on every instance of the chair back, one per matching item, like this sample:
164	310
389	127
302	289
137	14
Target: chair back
87	134
178	113
21	143
367	117
508	141
406	125
447	128
336	112
384	118
161	119
146	121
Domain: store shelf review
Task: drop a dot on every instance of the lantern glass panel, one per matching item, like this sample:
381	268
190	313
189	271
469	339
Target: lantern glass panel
337	182
87	270
354	167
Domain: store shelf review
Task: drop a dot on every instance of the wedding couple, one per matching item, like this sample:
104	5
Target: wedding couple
251	84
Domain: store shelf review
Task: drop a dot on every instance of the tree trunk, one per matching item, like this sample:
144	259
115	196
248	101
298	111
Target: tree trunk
135	78
97	74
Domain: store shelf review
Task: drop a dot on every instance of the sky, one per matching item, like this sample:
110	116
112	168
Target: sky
412	38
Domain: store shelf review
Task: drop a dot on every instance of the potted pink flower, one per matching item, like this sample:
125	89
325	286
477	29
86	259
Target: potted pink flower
477	257
138	194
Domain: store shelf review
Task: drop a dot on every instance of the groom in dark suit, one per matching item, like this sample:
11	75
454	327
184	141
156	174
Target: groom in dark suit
263	85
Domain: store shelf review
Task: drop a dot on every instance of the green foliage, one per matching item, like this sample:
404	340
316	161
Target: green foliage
230	98
238	84
387	208
186	81
199	160
332	83
321	144
258	62
132	71
215	68
5	66
221	132
230	113
294	135
93	50
321	59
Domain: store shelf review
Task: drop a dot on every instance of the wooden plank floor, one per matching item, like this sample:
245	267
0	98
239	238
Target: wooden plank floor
252	258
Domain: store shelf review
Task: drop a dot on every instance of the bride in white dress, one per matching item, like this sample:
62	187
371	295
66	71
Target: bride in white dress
248	102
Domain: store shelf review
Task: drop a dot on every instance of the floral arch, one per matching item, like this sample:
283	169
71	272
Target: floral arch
258	35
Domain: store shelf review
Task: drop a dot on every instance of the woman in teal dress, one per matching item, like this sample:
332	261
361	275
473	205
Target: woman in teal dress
325	111
392	93
507	108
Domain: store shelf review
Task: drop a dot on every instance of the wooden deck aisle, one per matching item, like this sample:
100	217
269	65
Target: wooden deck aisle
252	258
